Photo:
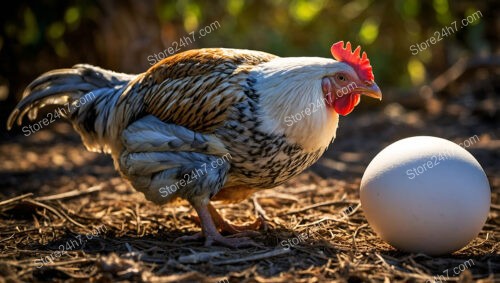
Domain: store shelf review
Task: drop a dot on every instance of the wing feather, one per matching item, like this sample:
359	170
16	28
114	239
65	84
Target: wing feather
197	88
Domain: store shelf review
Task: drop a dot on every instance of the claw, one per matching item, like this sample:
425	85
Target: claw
210	222
235	229
224	226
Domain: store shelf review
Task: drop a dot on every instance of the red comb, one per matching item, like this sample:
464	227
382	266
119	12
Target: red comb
360	64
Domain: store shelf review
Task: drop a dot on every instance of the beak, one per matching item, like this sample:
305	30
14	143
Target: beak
371	90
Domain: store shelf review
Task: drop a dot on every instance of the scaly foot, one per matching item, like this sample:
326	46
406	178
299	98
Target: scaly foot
206	214
224	226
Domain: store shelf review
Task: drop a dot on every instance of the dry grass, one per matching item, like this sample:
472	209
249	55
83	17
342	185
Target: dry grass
55	193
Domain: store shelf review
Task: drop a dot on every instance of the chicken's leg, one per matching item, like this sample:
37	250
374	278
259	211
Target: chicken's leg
227	227
163	161
209	229
224	226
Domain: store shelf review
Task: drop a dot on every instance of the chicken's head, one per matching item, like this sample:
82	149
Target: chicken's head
352	77
302	97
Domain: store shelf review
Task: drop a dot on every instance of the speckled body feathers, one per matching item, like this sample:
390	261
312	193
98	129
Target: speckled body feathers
186	112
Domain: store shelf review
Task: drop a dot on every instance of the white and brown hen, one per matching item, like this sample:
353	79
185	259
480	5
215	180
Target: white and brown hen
209	124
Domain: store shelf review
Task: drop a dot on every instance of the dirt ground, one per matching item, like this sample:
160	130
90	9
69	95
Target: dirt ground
57	196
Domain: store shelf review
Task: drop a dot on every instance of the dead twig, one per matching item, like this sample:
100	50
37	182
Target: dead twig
70	194
15	199
48	207
258	209
326	203
10	237
457	70
260	256
199	257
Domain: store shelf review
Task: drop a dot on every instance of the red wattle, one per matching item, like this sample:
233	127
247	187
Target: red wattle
344	105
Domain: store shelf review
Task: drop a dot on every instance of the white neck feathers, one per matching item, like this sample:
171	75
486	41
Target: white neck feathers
293	102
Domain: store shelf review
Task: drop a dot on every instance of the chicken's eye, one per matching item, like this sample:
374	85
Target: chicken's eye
341	77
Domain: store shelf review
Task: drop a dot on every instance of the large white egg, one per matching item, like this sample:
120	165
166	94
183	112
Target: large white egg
425	194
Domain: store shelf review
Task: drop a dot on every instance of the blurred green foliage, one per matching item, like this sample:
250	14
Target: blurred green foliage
40	35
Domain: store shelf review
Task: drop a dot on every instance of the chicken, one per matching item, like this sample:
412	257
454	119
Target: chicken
210	124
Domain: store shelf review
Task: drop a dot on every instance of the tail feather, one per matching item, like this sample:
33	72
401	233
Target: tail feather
62	86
